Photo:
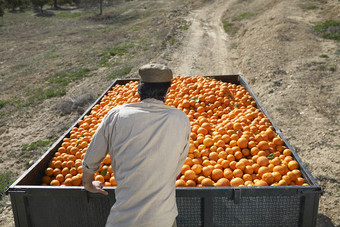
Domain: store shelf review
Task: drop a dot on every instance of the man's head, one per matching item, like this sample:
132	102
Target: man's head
155	81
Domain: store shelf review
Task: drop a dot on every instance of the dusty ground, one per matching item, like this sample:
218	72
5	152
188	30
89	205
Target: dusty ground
292	70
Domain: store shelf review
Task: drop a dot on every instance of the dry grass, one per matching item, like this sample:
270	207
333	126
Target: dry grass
51	53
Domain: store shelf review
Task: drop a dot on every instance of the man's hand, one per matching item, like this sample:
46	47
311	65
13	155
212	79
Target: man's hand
95	187
92	186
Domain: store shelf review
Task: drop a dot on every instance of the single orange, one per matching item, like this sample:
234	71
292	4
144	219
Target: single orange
293	165
268	177
190	175
236	182
76	181
191	183
261	183
216	174
55	183
207	182
262	161
46	180
222	182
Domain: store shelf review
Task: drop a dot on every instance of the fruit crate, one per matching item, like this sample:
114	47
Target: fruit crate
36	205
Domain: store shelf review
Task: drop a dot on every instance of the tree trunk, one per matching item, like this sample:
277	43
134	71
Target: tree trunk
55	4
100	7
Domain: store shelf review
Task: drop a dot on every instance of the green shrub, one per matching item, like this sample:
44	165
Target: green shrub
329	29
309	6
121	72
243	16
6	179
39	3
57	87
36	145
68	15
2	8
229	27
323	56
4	102
14	4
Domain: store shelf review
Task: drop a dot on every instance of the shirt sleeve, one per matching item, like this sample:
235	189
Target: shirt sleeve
185	150
98	147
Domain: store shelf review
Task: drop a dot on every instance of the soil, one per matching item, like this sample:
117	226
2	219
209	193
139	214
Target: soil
291	69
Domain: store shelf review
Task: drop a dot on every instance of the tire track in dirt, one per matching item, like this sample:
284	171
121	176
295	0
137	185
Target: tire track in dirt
206	48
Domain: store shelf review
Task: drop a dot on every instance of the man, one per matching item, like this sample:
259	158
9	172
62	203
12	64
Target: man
148	143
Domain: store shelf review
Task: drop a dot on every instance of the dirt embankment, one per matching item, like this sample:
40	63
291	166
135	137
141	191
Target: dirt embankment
295	74
292	70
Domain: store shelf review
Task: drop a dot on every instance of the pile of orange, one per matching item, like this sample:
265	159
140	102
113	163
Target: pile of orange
232	142
65	168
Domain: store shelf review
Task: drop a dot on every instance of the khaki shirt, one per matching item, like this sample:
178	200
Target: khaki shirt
148	143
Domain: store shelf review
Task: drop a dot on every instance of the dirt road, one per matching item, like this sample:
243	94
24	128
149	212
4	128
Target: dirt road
205	49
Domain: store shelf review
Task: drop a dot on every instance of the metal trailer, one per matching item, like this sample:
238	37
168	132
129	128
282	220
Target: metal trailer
35	205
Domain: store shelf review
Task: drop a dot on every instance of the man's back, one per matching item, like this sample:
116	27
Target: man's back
148	143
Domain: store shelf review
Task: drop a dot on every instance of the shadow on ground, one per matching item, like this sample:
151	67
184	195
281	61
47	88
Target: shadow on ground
324	221
44	13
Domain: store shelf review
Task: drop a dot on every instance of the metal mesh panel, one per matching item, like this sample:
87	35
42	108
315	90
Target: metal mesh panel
189	211
257	211
67	211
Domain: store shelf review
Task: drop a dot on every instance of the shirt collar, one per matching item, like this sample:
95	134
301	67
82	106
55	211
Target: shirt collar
152	100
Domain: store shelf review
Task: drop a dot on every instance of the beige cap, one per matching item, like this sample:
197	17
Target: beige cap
155	73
